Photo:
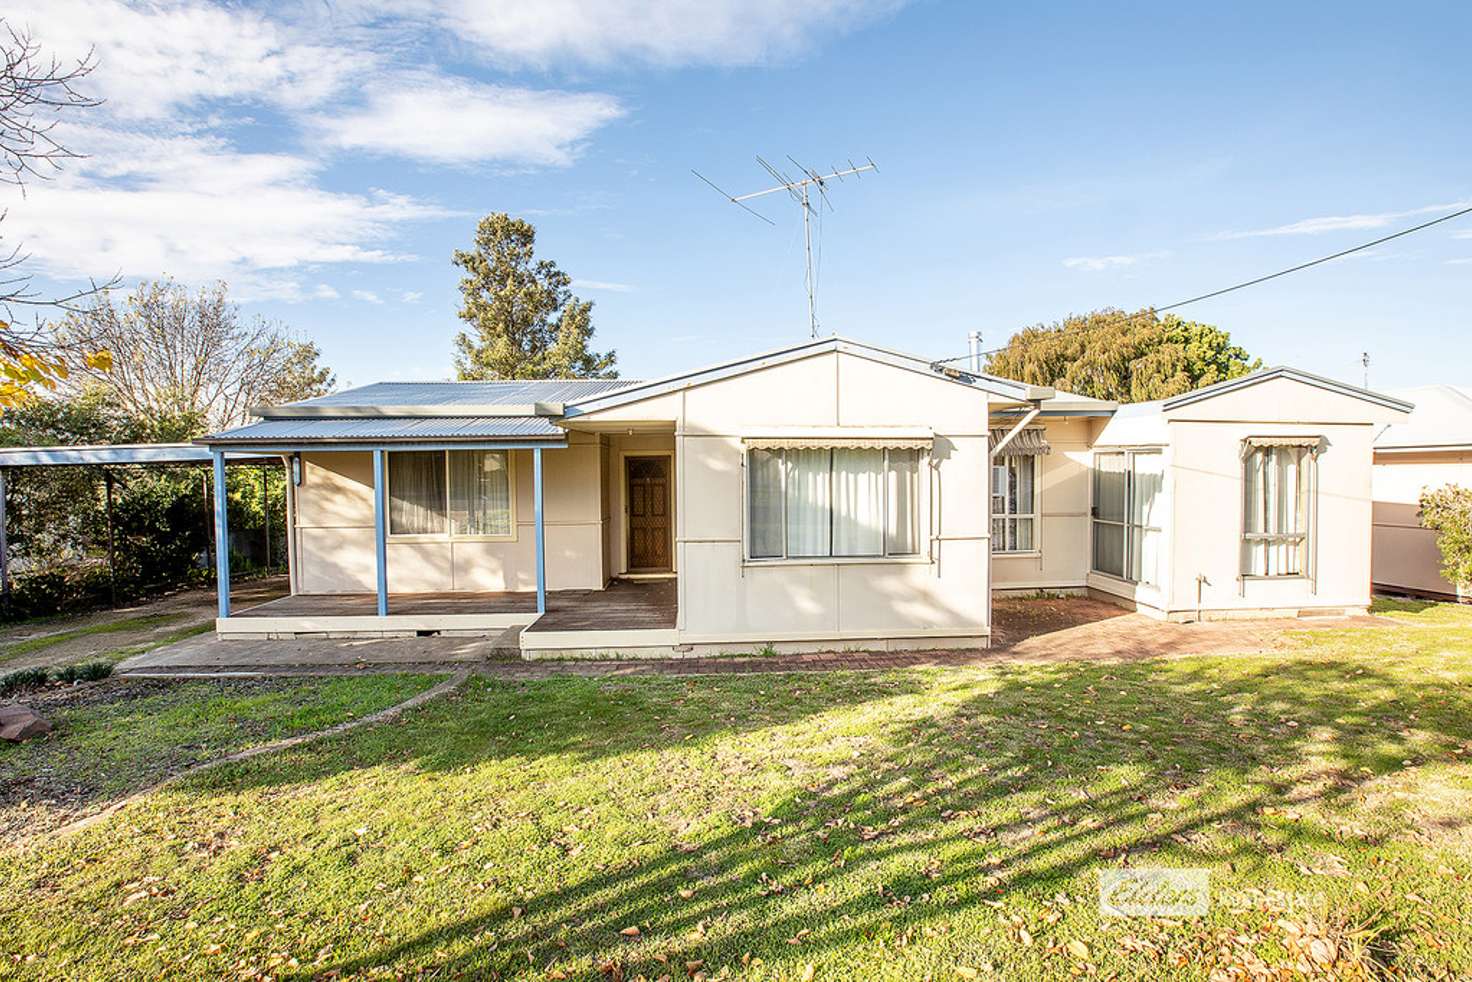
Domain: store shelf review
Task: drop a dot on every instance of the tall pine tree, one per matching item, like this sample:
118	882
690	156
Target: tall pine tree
524	321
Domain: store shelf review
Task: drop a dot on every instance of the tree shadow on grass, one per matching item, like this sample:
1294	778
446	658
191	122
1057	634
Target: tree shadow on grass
1039	774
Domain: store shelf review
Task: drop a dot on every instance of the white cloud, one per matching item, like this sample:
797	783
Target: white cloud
1462	235
197	208
367	296
1342	223
454	121
156	58
606	32
411	296
602	285
1459	262
1097	264
170	186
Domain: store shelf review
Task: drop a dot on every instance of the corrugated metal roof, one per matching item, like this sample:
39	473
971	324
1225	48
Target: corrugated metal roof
447	395
120	454
420	428
1442	418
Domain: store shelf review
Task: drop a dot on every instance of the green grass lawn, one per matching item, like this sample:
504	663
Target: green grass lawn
943	824
123	735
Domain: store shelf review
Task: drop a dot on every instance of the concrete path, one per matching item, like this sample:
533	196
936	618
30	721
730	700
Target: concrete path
1064	629
208	655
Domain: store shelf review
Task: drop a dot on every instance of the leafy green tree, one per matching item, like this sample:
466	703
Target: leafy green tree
1109	354
524	321
1447	511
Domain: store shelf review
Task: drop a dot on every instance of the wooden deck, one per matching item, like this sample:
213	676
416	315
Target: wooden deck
625	605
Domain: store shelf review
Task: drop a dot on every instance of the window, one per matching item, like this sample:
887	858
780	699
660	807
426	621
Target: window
462	493
832	502
1127	515
1014	508
1276	485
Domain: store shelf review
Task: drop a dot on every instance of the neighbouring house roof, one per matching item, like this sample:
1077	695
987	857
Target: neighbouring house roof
1000	387
1282	371
1442	419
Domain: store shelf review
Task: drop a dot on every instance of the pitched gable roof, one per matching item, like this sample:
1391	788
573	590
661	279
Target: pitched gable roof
1282	371
1000	387
1442	418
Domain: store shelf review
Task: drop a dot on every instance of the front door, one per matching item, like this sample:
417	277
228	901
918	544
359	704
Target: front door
649	513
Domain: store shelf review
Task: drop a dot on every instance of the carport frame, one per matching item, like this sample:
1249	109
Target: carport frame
127	455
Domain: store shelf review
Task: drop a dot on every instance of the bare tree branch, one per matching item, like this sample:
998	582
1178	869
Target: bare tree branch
34	91
190	360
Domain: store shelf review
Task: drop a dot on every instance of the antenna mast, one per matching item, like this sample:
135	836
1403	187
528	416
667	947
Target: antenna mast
798	190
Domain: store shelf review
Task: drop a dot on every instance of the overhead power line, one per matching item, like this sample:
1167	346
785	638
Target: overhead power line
1270	276
1315	262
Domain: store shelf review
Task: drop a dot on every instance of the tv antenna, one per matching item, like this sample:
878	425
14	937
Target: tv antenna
799	189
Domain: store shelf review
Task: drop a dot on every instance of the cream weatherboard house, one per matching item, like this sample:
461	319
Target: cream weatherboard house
831	495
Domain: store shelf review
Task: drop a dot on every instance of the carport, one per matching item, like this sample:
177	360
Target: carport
142	455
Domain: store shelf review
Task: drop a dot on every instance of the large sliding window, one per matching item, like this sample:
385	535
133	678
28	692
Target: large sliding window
832	502
1128	515
1014	503
1277	482
460	493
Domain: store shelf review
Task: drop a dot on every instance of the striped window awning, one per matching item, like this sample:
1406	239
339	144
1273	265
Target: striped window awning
1313	444
837	443
843	438
1030	442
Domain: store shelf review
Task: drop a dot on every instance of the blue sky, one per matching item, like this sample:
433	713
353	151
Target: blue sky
326	159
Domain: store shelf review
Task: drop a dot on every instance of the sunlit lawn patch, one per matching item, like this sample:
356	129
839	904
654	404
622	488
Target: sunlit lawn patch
857	826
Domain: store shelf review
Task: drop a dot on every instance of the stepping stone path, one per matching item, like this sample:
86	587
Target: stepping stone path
19	723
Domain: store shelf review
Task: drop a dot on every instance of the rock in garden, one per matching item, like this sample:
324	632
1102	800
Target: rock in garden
19	723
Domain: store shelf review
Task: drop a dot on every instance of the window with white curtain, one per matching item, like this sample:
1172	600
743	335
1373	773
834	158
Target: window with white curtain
458	493
1276	484
1014	503
832	502
1128	515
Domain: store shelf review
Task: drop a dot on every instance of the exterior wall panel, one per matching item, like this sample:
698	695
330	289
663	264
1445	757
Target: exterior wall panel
1405	556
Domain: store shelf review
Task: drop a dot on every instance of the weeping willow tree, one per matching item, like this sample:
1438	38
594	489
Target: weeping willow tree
1111	354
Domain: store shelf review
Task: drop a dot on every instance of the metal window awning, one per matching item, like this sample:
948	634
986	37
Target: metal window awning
843	438
1030	442
1312	443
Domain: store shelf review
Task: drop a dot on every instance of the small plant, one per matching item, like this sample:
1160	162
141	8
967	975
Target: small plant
767	650
25	678
84	672
1447	511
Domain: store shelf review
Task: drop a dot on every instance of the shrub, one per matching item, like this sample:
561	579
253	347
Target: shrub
1447	511
25	678
84	672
